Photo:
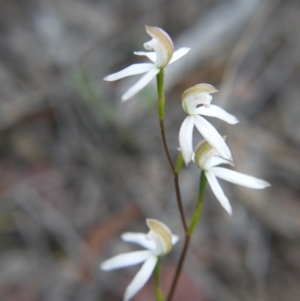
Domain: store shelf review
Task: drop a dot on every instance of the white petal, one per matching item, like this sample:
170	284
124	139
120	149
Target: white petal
141	83
131	70
140	239
149	54
191	101
124	260
218	191
178	54
175	239
214	161
213	137
215	111
141	277
186	139
239	178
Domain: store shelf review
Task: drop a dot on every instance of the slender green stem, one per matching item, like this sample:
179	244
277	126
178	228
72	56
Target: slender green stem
175	168
188	234
158	292
161	96
179	163
198	209
161	113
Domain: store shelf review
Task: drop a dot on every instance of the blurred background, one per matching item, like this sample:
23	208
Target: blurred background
78	167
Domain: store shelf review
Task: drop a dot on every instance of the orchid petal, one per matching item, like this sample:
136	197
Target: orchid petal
218	191
141	277
215	111
178	54
162	44
141	83
239	178
131	70
190	102
125	260
175	239
150	55
213	137
139	238
186	138
214	161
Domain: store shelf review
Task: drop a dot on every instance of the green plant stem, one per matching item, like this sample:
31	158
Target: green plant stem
158	292
175	168
198	209
195	218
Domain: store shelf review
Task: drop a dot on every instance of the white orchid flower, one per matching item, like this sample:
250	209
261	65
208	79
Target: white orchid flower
207	159
158	242
161	53
195	102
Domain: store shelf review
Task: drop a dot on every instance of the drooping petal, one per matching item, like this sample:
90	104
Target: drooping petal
131	70
178	54
141	277
218	191
149	54
141	83
213	137
215	111
140	239
186	139
125	260
239	178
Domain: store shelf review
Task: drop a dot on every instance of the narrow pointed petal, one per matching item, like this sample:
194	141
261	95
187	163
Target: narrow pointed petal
141	277
218	191
140	239
125	260
186	139
178	54
149	54
131	70
239	178
144	81
213	137
215	111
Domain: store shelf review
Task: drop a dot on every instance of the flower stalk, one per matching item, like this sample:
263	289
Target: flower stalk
158	292
175	168
198	209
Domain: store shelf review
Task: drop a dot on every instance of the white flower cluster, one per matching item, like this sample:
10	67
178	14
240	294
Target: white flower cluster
211	152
